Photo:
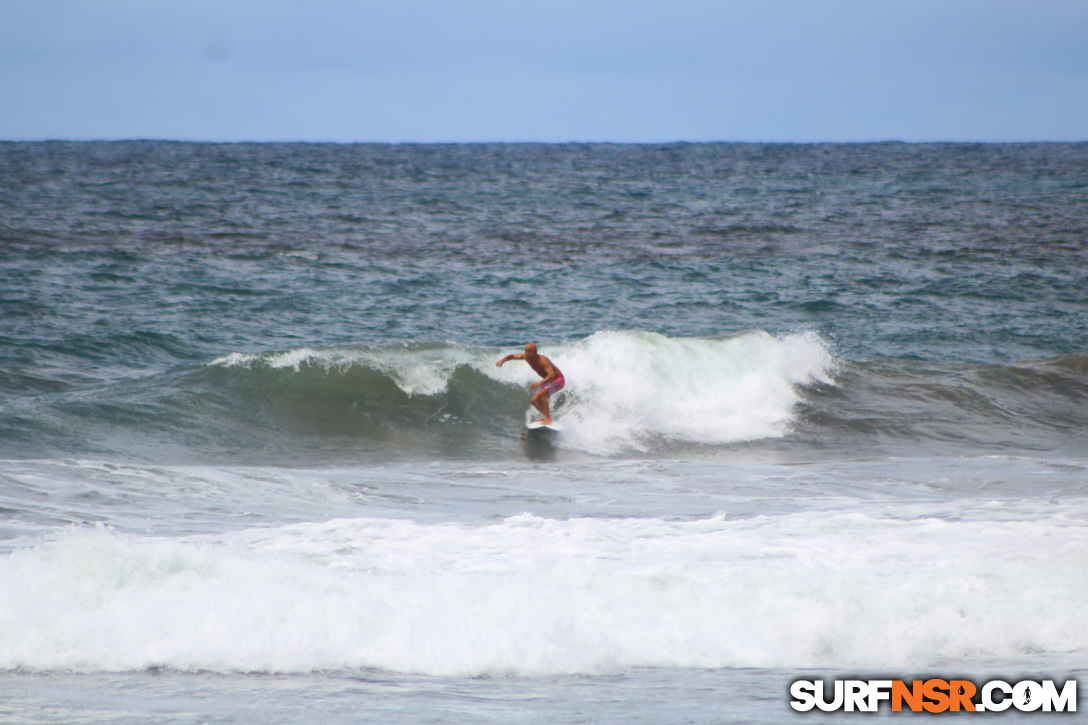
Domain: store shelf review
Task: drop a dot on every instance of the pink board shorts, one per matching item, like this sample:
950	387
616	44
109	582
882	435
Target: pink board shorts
554	386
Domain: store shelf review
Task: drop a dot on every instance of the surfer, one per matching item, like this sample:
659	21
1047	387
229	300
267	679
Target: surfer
553	379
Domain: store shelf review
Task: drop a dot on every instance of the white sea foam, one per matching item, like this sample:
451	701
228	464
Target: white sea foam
628	390
534	595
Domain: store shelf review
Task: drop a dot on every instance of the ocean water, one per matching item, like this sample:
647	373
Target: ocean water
826	415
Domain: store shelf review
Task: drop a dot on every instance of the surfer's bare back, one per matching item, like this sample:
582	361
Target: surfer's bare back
553	379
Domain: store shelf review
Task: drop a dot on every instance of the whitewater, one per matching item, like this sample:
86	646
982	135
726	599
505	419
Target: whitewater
825	417
530	595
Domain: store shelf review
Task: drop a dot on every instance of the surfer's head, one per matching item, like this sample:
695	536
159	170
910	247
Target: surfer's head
530	349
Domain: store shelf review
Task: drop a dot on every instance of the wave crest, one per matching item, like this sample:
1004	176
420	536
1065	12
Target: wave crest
626	391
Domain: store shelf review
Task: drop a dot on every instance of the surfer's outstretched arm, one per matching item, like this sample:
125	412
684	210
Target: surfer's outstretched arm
508	358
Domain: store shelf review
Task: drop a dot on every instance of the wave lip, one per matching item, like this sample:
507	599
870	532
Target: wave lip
416	369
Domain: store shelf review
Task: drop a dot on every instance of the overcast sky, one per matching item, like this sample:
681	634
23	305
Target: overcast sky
554	70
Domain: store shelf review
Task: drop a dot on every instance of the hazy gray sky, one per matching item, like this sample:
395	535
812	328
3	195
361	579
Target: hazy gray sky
558	70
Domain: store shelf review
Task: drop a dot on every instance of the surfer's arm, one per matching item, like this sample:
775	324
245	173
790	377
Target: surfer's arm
508	358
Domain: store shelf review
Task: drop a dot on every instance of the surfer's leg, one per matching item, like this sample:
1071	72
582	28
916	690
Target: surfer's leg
540	402
544	394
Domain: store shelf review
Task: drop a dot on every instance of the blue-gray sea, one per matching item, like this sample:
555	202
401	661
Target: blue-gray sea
826	415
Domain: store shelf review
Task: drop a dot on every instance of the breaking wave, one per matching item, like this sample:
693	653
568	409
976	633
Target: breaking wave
530	595
626	391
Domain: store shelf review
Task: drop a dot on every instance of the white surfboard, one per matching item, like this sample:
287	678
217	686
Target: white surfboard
537	425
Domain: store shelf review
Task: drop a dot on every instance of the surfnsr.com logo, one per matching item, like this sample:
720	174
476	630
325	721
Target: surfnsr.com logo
934	695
